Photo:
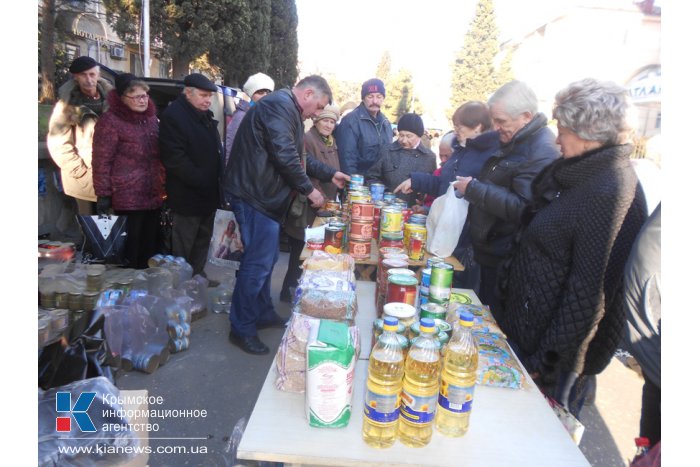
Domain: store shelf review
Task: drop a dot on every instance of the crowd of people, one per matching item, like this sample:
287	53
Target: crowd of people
552	220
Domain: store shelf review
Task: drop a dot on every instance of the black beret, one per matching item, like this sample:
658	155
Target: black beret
81	64
122	81
199	81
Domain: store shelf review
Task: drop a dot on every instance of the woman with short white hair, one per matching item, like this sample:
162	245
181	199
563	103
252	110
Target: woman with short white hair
562	308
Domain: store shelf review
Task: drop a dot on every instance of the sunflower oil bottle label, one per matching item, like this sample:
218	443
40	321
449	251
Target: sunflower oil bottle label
418	409
456	398
381	408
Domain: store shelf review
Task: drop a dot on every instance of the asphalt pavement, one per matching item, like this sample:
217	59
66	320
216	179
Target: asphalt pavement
215	376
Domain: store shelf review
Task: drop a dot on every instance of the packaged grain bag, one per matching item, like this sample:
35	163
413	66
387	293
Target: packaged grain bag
329	377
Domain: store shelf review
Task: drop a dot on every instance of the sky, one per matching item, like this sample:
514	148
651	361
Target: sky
348	38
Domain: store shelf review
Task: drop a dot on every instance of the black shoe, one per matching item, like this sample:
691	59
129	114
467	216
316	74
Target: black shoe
285	295
277	322
249	344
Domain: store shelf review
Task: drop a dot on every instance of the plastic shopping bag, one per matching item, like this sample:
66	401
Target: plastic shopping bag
445	222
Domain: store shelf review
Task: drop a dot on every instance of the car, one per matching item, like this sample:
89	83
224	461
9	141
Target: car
164	90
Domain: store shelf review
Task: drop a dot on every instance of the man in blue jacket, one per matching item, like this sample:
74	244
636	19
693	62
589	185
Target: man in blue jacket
364	132
503	189
262	177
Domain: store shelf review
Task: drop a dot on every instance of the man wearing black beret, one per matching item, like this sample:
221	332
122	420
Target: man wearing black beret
190	148
81	101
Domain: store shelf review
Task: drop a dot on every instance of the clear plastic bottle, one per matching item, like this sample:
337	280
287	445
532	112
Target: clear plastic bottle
457	379
383	390
420	387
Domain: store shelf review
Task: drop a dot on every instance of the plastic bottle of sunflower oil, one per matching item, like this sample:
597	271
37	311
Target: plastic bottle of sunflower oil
381	411
458	379
420	387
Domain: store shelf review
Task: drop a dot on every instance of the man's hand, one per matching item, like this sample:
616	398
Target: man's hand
316	199
339	179
462	184
404	187
418	209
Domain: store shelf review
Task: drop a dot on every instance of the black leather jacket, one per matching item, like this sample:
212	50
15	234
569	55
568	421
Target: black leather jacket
265	164
501	193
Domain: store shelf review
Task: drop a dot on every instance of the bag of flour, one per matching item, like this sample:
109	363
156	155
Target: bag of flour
329	375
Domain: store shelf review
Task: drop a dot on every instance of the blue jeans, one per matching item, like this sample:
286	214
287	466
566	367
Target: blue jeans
251	302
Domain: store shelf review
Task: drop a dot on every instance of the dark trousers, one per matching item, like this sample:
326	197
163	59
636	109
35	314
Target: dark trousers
86	208
142	229
291	279
191	236
251	302
650	422
488	293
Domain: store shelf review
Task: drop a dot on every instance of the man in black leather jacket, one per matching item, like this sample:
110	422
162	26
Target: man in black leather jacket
503	189
263	175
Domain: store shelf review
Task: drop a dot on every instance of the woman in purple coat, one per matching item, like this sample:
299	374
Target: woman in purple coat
129	177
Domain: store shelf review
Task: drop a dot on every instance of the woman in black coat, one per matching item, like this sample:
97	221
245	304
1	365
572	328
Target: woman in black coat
562	307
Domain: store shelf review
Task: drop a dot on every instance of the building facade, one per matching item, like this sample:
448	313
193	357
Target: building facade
82	29
616	40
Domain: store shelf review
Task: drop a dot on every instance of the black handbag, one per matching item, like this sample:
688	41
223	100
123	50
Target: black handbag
105	238
82	354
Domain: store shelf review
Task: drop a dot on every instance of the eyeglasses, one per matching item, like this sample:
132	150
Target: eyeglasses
262	91
140	97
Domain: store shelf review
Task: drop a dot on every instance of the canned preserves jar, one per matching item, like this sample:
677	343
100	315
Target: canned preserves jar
405	313
402	288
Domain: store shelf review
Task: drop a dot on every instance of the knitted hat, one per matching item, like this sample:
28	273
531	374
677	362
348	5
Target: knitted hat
81	64
199	81
373	85
329	111
121	82
412	123
257	82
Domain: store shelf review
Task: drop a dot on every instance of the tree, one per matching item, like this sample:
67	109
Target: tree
384	67
247	51
473	72
505	69
400	97
188	28
284	43
53	60
343	91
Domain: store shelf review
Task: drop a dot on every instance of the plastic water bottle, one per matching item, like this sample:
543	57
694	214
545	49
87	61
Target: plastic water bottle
458	379
383	390
420	387
185	269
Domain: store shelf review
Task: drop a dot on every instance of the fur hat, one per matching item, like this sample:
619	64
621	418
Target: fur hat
329	111
373	85
81	64
257	82
199	81
412	123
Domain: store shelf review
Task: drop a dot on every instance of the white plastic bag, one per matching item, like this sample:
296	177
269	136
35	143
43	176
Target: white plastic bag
445	222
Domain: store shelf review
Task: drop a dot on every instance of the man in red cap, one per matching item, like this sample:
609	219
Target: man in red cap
81	101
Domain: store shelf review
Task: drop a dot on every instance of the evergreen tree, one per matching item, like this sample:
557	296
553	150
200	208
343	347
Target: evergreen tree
343	91
400	96
384	67
473	72
284	43
505	69
188	28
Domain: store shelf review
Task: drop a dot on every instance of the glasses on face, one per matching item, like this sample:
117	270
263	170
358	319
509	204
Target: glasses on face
140	97
262	91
